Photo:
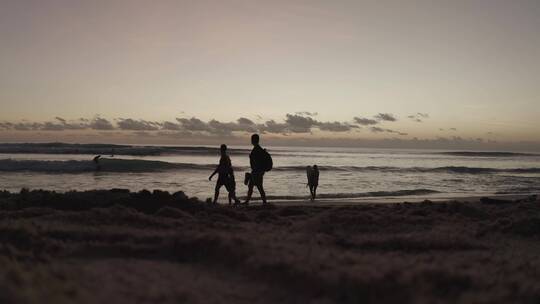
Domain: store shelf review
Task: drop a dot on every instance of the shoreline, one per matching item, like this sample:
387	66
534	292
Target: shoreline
416	199
256	200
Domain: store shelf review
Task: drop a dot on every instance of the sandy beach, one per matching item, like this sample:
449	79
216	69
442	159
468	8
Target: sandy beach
121	247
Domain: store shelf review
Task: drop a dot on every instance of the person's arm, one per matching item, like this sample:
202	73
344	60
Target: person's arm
213	173
230	168
231	173
252	161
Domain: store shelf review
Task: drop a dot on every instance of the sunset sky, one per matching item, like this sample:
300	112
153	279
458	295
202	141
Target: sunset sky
322	71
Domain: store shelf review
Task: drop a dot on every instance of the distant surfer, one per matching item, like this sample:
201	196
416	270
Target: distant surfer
225	176
313	180
96	162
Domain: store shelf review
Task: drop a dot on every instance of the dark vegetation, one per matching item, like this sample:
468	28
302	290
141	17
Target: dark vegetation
121	247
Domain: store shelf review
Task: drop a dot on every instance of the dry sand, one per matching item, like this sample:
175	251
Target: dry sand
121	247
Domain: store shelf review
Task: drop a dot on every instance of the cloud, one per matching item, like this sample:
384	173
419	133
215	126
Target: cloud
335	126
245	121
300	124
414	118
26	126
306	113
50	126
6	125
167	125
418	117
99	123
59	124
376	129
71	125
137	125
271	126
21	126
225	128
193	124
365	121
385	117
247	125
291	124
214	126
449	129
381	130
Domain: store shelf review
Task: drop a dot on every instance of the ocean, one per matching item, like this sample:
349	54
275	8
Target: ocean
345	173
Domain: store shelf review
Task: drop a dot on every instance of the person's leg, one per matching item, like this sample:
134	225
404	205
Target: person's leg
232	196
230	185
216	194
260	182
315	192
249	193
232	193
263	194
311	191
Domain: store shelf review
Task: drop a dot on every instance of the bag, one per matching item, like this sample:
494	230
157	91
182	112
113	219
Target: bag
268	162
247	178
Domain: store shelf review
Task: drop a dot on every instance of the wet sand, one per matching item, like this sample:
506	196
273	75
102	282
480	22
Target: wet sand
121	247
388	200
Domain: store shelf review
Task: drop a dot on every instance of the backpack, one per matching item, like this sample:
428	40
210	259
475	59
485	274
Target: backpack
268	163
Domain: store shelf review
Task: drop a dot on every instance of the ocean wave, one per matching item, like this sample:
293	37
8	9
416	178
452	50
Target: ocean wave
139	150
519	190
447	169
134	165
105	165
485	154
473	170
110	149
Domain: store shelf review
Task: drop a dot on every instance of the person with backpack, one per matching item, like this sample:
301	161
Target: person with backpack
261	162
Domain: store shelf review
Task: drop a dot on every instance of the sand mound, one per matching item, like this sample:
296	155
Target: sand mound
156	247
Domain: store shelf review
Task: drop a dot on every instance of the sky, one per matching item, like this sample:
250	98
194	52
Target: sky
317	72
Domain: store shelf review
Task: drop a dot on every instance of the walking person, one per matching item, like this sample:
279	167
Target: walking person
260	162
313	180
225	176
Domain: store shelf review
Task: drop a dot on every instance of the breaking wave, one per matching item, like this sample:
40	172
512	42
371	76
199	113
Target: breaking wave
131	165
485	154
448	169
105	165
110	149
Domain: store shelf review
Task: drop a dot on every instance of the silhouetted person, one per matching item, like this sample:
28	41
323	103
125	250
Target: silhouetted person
96	162
313	180
225	176
309	170
260	162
